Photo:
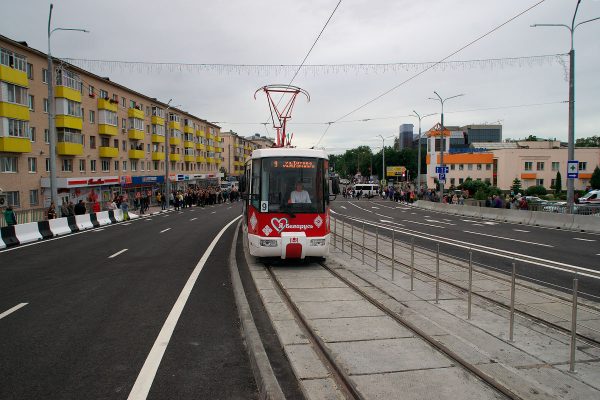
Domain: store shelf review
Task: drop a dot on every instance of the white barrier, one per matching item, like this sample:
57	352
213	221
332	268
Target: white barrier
118	215
552	220
103	218
59	226
2	244
519	216
27	233
588	223
83	222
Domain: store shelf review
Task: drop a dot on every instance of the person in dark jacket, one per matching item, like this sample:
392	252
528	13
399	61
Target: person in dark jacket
80	208
9	216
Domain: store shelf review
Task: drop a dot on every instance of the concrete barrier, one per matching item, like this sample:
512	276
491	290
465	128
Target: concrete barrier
587	223
471	211
118	215
489	213
83	222
2	245
94	220
551	220
111	216
59	226
72	223
519	216
9	236
44	228
27	233
103	219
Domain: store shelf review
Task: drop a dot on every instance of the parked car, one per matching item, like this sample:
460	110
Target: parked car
344	181
555	206
591	197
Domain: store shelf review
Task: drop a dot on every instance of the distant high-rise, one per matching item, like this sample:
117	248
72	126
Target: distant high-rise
482	133
406	136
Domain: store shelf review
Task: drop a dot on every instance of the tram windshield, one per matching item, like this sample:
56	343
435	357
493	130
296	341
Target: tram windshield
292	185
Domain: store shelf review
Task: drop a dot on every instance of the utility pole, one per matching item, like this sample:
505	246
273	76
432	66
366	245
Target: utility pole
419	147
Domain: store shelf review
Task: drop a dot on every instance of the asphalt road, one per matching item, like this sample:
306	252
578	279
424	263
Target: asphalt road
533	248
91	320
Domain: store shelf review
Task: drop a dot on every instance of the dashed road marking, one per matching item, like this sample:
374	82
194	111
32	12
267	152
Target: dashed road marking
126	223
521	230
117	253
214	212
12	310
164	230
193	219
505	238
585	240
376	208
439	222
344	207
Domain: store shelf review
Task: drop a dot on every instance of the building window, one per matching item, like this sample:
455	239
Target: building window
124	102
488	167
116	165
67	165
31	103
461	167
156	165
142	166
539	182
93	165
91	91
115	97
14	94
32	133
9	164
540	166
12	199
124	165
81	165
470	167
460	181
105	165
133	165
92	117
479	167
29	71
46	106
47	165
83	114
452	181
555	166
92	142
123	123
32	164
452	167
148	148
582	165
44	75
147	129
528	165
124	145
34	197
46	136
552	183
103	94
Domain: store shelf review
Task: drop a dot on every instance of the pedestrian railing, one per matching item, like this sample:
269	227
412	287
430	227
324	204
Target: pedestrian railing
509	283
30	215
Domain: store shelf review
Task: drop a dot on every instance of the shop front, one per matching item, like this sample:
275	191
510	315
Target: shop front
91	190
136	186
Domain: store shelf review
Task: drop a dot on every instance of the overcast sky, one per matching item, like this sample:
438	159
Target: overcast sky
361	31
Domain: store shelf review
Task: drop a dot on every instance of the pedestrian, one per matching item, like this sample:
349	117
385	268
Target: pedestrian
9	216
51	212
71	209
80	208
64	209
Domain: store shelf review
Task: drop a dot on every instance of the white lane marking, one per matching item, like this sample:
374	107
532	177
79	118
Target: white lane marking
12	310
505	238
228	208
180	212
449	220
125	224
585	240
142	384
149	219
376	208
344	207
408	221
164	230
521	230
471	221
439	222
214	212
477	225
98	230
413	213
390	222
489	223
193	219
117	253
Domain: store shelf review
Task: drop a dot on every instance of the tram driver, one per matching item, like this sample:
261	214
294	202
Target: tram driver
299	195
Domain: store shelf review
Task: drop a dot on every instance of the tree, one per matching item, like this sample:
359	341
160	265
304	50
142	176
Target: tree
595	180
558	183
531	138
516	186
593	141
537	190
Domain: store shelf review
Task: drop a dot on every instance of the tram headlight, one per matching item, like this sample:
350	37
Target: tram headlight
317	242
268	243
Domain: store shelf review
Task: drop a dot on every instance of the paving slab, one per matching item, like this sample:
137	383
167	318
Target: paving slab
588	371
305	362
328	294
321	389
264	284
289	332
278	311
311	283
270	296
359	328
340	309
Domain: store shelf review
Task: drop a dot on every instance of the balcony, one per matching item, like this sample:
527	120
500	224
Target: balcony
200	133
188	158
136	154
188	129
158	138
158	156
14	111
105	129
67	93
175	141
135	134
158	120
210	160
108	152
15	145
175	157
200	146
210	148
188	144
104	104
218	149
68	121
14	76
174	125
135	113
200	159
69	149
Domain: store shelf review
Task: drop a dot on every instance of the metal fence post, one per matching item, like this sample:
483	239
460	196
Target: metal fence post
470	284
363	243
343	235
393	245
351	240
334	233
573	327
376	249
437	275
512	303
412	263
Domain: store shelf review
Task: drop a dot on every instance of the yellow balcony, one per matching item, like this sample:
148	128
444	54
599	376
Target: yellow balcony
200	146
158	120
188	129
15	111
188	158
210	148
174	125
188	143
200	159
200	133
109	152
236	146
218	149
135	134
67	93
175	141
14	76
209	136
15	144
104	129
69	149
136	154
210	160
104	104
158	138
68	121
175	157
219	161
135	113
156	156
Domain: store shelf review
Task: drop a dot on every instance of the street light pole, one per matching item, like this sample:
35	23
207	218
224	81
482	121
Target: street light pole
419	148
442	139
571	134
383	156
51	128
167	148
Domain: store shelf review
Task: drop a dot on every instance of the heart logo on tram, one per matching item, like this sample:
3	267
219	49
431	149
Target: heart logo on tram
279	224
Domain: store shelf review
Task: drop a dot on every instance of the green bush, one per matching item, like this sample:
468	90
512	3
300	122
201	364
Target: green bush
536	191
481	194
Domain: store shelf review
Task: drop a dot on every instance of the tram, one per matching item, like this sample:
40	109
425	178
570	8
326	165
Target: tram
286	194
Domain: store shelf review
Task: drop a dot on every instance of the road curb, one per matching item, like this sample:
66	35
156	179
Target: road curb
268	386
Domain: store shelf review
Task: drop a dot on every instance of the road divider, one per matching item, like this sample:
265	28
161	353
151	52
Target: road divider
27	233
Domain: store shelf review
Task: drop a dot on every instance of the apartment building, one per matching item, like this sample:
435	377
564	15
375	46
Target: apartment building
109	137
236	149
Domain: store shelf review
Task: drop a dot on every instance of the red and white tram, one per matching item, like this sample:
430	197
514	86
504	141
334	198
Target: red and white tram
286	194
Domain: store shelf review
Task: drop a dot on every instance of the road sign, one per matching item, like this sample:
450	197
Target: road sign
572	169
442	178
395	170
442	170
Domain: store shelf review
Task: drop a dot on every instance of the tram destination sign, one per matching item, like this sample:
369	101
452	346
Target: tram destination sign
294	164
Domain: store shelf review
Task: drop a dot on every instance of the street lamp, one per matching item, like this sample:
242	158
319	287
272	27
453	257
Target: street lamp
419	147
51	128
571	139
383	155
442	140
167	148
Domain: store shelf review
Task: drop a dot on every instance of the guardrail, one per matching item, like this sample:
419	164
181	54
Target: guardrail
509	282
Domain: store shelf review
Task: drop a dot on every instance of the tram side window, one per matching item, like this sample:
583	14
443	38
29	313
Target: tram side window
255	187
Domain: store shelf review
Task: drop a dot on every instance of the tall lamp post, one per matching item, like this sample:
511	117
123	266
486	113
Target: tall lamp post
571	138
51	128
442	139
167	148
383	156
419	147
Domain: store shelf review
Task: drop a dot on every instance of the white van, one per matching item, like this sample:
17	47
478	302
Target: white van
591	197
368	189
